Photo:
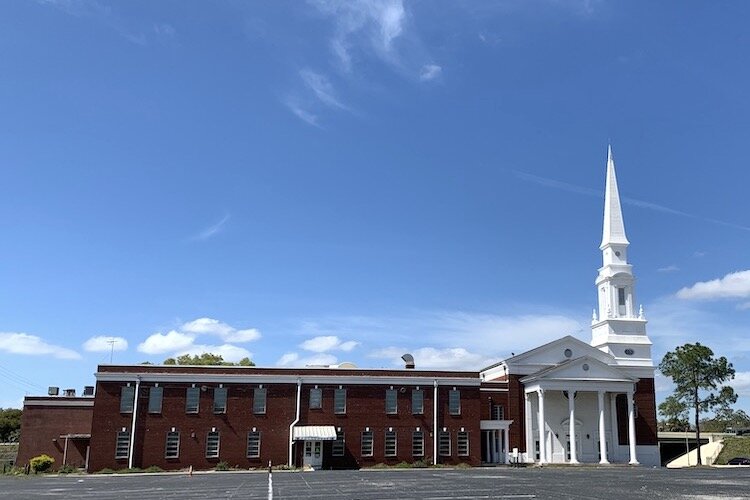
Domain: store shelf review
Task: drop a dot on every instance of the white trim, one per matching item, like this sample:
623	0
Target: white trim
284	379
485	425
296	419
487	389
60	402
133	422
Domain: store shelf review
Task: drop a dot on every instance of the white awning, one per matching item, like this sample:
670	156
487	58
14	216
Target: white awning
314	433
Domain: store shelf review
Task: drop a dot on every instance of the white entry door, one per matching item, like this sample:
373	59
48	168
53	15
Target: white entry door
313	455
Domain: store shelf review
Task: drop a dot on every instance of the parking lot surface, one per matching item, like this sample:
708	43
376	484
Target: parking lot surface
433	484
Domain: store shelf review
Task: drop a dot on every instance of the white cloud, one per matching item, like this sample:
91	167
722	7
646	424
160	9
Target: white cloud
326	343
213	229
103	343
455	358
733	285
165	30
23	343
430	72
287	359
292	359
300	112
741	383
172	341
743	307
373	23
322	88
210	326
668	269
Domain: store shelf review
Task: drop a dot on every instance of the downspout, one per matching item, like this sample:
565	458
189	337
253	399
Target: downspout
435	424
296	419
135	419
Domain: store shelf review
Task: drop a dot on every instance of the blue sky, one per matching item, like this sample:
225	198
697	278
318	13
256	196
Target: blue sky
327	181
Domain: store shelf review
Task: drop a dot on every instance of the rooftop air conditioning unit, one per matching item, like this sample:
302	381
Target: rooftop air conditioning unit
70	393
53	391
88	390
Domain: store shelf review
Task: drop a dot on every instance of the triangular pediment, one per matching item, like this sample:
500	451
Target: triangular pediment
580	369
554	353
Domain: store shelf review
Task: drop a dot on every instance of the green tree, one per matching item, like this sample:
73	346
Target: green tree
206	359
10	424
675	414
699	378
726	420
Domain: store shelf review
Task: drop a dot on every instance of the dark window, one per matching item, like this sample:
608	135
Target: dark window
212	445
621	296
127	399
454	402
339	401
122	446
259	400
498	412
463	444
444	444
337	450
155	395
172	448
391	401
390	443
417	444
367	443
220	399
192	399
316	398
417	401
253	444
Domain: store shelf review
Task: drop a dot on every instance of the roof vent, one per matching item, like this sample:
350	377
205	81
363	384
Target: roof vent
88	390
53	391
70	393
408	361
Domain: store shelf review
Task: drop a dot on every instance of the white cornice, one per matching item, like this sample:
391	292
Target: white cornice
82	403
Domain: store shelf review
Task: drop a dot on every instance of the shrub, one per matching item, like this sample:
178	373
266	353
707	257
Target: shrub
222	466
41	463
153	468
66	469
463	465
420	464
402	465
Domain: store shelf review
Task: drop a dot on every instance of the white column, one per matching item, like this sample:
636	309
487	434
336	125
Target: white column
615	454
631	429
572	426
498	456
542	431
488	451
506	441
528	434
602	435
65	452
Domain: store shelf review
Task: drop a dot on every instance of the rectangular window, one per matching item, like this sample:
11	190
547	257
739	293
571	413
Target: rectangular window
122	447
316	398
337	450
367	443
172	448
212	445
417	401
463	444
127	398
390	443
417	443
444	444
498	412
621	296
192	398
253	444
220	399
391	401
454	402
339	401
155	395
259	400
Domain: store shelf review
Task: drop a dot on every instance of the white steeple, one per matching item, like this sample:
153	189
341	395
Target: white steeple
620	328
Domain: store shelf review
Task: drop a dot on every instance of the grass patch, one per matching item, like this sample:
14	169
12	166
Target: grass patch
106	470
738	446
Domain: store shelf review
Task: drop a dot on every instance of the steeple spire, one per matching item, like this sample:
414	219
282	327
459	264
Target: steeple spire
614	227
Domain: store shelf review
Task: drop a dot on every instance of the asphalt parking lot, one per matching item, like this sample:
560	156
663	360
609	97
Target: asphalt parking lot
433	484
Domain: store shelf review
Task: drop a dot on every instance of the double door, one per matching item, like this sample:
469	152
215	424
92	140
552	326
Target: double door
313	454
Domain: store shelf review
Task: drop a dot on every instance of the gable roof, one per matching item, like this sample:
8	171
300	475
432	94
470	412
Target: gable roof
581	369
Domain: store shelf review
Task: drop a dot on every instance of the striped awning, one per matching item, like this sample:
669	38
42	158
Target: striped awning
314	433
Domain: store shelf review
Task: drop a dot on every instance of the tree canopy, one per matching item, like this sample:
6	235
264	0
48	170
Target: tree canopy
699	380
675	414
10	425
206	359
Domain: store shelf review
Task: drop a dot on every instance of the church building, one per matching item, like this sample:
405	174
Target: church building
567	401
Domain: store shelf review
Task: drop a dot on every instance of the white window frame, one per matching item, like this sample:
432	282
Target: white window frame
417	444
339	397
444	439
316	398
367	443
209	444
391	401
127	399
390	448
253	444
462	443
418	394
260	400
196	392
172	445
122	445
155	399
454	402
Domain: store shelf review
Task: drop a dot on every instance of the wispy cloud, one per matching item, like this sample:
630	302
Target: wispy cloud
322	88
668	269
731	286
32	345
456	358
300	112
325	343
212	230
572	188
104	343
430	72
